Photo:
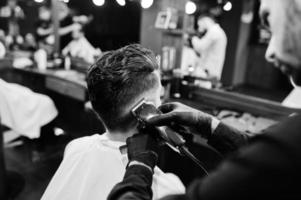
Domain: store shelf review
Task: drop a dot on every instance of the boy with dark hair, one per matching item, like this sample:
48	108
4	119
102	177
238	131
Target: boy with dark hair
93	165
124	76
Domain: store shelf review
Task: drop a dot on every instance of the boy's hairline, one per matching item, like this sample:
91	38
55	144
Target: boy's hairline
125	111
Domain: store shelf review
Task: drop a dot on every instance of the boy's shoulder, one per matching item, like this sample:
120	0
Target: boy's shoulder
86	144
83	141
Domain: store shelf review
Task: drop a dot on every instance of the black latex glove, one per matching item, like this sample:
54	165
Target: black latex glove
143	147
175	114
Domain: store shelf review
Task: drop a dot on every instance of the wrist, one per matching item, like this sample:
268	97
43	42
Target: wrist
137	163
206	124
148	158
203	125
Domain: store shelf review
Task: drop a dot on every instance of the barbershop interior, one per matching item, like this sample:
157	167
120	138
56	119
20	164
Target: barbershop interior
65	114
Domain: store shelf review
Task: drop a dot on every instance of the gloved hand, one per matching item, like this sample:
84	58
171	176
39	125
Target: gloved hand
179	114
143	147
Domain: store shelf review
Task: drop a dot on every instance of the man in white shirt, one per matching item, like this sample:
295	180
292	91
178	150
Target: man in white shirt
80	47
211	47
93	165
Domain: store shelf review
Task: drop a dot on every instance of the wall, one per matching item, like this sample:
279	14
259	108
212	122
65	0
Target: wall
242	51
230	22
150	37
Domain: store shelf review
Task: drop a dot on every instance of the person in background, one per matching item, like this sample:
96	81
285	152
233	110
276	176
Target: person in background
44	28
2	44
210	48
69	19
93	165
67	24
81	48
264	166
29	43
13	13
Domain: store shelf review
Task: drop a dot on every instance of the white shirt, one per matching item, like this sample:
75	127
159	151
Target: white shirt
212	48
93	165
81	48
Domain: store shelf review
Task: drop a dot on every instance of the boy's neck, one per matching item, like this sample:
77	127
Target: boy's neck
121	136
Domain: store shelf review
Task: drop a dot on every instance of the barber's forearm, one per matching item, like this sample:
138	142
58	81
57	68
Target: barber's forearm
201	44
44	32
136	185
66	30
227	139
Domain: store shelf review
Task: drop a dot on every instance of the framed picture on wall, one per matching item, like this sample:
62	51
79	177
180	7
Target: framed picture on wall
163	19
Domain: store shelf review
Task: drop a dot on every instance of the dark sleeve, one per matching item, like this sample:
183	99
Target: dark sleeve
226	139
135	185
262	168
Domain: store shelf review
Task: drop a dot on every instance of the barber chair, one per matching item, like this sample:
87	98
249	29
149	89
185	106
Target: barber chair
11	183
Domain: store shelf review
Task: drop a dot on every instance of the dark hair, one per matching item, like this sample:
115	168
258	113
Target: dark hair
117	78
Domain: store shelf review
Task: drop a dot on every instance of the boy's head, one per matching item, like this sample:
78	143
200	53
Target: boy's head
118	80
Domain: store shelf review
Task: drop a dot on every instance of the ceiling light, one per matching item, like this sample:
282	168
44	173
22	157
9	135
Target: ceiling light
190	7
39	1
99	2
227	6
121	2
146	3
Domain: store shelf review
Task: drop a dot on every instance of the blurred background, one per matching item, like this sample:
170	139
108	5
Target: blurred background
211	54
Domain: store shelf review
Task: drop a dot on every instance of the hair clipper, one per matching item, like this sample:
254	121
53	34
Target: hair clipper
143	111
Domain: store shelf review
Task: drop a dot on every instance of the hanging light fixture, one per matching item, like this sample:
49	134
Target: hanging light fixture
227	6
39	1
190	7
98	2
146	3
121	2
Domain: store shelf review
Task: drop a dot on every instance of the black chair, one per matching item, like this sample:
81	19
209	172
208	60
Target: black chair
2	167
11	183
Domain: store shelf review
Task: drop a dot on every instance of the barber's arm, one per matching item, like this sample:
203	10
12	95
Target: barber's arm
68	29
137	181
220	136
227	139
200	44
136	184
44	32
